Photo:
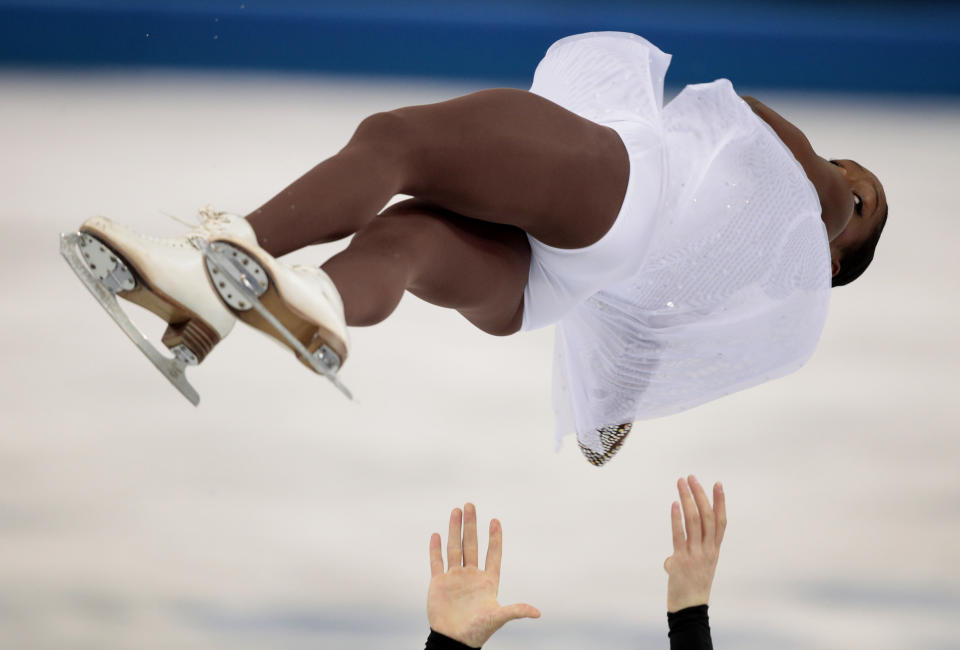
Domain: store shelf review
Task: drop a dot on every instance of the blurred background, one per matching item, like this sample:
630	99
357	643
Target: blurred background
279	515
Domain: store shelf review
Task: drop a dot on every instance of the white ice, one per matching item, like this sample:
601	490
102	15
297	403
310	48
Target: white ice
278	515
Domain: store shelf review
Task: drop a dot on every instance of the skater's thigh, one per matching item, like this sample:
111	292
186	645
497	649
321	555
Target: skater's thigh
476	267
510	156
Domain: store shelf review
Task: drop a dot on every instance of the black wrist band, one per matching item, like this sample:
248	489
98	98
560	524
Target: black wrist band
437	641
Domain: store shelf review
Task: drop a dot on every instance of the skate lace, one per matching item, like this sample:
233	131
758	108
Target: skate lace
211	217
209	220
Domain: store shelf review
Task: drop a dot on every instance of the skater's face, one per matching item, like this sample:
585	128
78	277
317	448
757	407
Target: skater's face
868	207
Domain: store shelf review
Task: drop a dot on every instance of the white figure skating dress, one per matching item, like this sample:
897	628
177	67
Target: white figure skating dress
716	274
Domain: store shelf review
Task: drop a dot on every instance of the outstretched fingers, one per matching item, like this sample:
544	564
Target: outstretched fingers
470	551
676	523
707	520
719	511
454	549
690	515
436	559
494	550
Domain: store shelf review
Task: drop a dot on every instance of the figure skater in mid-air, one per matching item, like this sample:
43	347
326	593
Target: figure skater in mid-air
683	251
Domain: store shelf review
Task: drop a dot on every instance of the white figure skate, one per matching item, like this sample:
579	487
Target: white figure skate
173	277
165	276
297	305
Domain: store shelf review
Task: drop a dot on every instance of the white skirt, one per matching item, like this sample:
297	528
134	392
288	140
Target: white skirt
716	274
614	79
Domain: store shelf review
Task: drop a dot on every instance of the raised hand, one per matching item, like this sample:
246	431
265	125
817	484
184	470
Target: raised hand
695	553
462	601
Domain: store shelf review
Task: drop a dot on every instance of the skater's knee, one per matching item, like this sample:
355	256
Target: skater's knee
412	208
396	232
417	222
386	132
407	233
497	324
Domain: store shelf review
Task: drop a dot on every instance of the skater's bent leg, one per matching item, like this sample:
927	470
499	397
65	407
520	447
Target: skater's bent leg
339	196
480	269
504	156
510	156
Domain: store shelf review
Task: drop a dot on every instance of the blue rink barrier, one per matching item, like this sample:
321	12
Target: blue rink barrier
871	46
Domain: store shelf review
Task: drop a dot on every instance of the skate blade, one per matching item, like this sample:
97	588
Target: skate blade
324	361
174	369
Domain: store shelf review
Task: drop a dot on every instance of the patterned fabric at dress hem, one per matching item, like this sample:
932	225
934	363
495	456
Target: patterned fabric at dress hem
611	439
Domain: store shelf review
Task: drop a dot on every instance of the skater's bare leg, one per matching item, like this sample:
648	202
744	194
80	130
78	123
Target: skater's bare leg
504	156
477	268
335	199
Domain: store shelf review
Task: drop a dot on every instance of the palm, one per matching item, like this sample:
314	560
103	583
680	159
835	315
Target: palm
462	602
464	597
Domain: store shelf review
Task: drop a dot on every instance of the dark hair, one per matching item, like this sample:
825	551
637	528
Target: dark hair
855	261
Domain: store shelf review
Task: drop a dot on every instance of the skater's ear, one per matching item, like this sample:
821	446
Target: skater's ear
834	267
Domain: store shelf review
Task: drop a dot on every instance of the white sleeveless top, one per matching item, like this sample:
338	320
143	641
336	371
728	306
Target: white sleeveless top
732	288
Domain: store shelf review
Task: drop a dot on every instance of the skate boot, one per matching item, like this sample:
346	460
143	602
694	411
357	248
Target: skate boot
165	276
298	305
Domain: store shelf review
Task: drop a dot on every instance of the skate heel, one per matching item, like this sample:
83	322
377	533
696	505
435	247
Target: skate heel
322	353
191	341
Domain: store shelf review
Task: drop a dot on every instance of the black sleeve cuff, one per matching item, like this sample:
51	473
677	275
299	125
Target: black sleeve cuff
437	641
690	629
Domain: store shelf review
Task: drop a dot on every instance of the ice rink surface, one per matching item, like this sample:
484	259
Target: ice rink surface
278	515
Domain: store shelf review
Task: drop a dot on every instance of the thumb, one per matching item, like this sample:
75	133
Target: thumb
513	612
